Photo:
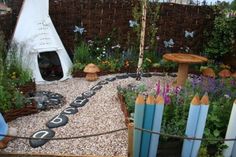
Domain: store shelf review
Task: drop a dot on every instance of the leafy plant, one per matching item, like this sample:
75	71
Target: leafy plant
222	38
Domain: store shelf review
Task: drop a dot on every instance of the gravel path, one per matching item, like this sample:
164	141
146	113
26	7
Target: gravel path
102	113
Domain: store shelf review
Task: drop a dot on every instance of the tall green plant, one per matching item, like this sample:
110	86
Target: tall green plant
222	38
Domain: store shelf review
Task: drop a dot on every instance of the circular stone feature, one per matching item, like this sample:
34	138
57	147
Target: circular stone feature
70	111
79	102
44	133
111	79
48	100
122	76
88	94
57	121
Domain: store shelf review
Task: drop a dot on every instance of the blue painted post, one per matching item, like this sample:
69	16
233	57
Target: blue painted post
147	124
156	125
231	133
3	127
201	124
191	127
138	122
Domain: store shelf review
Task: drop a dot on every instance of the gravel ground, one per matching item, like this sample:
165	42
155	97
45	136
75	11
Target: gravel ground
102	113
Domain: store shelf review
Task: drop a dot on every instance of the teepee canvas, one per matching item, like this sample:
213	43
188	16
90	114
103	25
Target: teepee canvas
37	33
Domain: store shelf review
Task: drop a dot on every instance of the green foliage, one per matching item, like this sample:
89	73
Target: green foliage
233	5
222	37
130	95
12	74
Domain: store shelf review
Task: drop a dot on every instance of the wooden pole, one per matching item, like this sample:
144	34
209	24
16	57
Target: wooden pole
191	126
138	122
231	133
130	139
156	125
142	38
201	124
147	124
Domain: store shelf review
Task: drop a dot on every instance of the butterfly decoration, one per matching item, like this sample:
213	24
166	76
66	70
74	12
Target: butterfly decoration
189	34
187	49
169	43
133	23
81	30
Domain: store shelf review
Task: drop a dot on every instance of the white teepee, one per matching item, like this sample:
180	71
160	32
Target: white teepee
37	33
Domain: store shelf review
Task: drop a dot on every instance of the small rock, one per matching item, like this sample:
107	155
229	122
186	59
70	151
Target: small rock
57	121
70	111
45	133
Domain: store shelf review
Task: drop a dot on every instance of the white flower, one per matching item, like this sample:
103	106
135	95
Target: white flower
98	48
116	46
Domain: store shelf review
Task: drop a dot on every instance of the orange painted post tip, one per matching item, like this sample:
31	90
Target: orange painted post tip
150	100
140	100
205	99
159	99
195	100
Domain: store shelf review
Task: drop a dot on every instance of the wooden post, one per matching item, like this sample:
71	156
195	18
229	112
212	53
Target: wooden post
130	139
191	126
147	124
231	133
156	125
142	38
138	122
201	124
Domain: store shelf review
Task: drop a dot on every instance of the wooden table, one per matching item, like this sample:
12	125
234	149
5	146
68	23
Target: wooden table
184	60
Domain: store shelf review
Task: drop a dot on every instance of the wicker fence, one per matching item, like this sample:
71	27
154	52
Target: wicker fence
99	18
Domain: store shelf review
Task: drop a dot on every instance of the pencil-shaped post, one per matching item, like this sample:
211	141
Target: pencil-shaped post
138	123
231	133
191	127
156	125
201	124
147	124
130	139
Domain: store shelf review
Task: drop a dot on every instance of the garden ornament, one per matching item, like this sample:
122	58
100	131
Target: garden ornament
80	30
208	72
224	73
91	70
169	43
133	23
4	130
184	59
189	34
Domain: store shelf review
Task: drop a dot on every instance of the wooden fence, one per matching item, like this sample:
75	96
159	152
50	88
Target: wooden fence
99	18
148	116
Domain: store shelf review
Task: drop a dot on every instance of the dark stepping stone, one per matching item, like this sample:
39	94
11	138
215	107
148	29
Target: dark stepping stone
103	82
96	87
70	111
133	75
111	79
122	76
79	102
172	74
56	96
159	74
45	133
57	121
88	94
146	75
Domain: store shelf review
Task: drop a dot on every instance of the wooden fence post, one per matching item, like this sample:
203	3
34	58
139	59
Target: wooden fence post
191	126
147	124
138	122
130	139
201	124
156	125
231	133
